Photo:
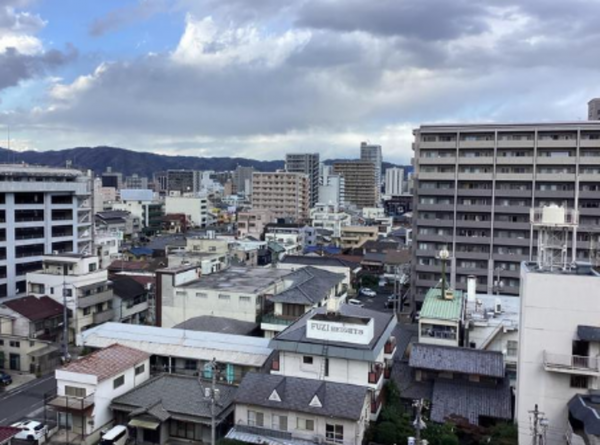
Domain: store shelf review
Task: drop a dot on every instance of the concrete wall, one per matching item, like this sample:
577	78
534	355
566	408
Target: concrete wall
195	208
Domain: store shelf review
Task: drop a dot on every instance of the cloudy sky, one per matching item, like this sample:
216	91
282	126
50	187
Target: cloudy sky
257	78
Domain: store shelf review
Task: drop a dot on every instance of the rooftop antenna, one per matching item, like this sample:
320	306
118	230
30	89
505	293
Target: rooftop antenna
554	225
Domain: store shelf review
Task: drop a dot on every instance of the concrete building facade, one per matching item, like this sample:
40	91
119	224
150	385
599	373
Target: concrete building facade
394	181
287	195
372	153
360	182
308	164
194	207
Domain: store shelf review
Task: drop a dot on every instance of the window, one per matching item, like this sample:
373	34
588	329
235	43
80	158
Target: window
244	299
31	344
185	430
307	360
180	293
67	292
87	311
579	381
92	267
224	297
118	382
279	422
74	391
256	418
326	367
201	295
15	344
191	365
140	369
512	348
1	342
334	433
305	424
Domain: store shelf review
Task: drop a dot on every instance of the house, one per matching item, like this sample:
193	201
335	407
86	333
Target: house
253	222
328	216
223	325
118	221
30	329
355	236
442	318
87	386
186	352
293	237
173	408
350	269
304	289
274	409
130	301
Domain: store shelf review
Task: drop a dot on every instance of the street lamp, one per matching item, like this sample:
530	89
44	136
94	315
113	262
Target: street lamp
443	256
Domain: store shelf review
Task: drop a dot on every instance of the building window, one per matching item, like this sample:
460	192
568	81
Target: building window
1	342
118	382
307	360
244	299
334	433
191	365
201	295
87	311
279	423
224	297
305	424
15	344
31	344
512	348
74	391
184	430
140	369
92	267
326	367
579	381
256	418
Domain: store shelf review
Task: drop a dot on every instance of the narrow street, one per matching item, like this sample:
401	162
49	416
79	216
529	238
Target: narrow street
17	404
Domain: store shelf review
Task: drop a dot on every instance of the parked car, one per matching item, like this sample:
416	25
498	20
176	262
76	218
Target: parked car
30	430
353	302
5	379
368	292
118	435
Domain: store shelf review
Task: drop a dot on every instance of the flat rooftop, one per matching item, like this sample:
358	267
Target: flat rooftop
519	126
38	170
239	279
579	268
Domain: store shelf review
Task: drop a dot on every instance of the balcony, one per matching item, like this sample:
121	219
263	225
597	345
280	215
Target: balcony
375	374
104	316
282	320
276	363
93	299
571	364
390	346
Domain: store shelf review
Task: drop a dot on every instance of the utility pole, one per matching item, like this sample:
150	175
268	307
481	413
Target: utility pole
213	396
539	425
65	345
418	423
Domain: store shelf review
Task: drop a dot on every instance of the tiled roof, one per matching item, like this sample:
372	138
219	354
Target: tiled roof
127	287
7	433
588	333
108	362
222	325
404	378
34	308
437	308
338	400
461	360
320	261
310	286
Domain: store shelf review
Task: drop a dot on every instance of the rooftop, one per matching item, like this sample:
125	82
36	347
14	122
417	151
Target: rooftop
437	308
34	308
319	261
239	279
586	409
510	126
38	170
219	325
460	360
310	285
127	287
7	433
108	362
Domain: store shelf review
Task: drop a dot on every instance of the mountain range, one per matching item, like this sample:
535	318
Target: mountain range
129	162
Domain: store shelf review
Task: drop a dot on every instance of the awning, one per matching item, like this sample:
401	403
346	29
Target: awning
146	424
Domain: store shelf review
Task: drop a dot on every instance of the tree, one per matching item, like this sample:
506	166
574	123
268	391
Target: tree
369	280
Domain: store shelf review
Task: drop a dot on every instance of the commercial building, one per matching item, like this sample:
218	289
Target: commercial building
360	182
308	164
194	207
394	181
42	210
135	182
112	179
372	153
184	181
475	186
285	194
242	180
141	204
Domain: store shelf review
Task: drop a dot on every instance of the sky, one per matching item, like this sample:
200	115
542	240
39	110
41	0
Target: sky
258	78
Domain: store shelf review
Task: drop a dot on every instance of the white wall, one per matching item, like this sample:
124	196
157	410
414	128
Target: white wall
195	208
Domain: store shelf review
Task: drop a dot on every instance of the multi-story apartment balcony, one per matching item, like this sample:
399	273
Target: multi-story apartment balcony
586	211
435	238
483	208
570	177
472	239
520	242
589	177
489	143
436	192
475	160
571	364
515	143
515	160
557	143
512	209
426	252
556	160
517	257
557	194
474	176
427	268
426	283
436	176
436	223
512	193
104	316
437	144
86	298
474	192
435	207
514	176
375	373
472	255
509	225
444	160
589	160
470	224
589	143
588	194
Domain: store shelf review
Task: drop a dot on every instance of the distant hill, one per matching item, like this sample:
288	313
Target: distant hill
129	161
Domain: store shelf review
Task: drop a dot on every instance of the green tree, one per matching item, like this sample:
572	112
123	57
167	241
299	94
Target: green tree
369	280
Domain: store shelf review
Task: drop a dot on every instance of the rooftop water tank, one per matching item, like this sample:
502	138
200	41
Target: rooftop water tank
553	214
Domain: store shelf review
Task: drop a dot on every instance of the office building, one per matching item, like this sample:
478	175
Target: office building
42	210
372	153
359	182
184	181
136	182
475	186
594	109
160	180
242	180
141	204
286	194
112	179
308	164
331	187
394	181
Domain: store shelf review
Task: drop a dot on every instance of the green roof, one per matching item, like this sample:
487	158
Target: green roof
435	307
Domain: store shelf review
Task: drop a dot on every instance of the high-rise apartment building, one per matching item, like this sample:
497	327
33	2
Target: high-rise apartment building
184	181
42	211
359	182
161	182
394	181
308	164
112	179
372	153
242	180
283	193
475	186
594	109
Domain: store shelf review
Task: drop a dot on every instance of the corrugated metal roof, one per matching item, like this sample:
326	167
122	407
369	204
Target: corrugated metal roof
225	348
437	308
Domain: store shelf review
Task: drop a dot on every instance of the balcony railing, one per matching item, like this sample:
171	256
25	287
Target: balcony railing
101	317
375	373
575	364
278	319
276	363
390	345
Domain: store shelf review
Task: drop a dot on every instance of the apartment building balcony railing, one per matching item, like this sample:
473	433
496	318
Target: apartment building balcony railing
571	364
390	346
104	316
278	319
375	374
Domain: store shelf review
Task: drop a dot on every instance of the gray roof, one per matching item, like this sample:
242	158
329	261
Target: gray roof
221	325
251	280
169	395
461	360
161	242
374	257
405	335
470	400
585	408
404	378
588	333
319	261
310	286
294	338
338	400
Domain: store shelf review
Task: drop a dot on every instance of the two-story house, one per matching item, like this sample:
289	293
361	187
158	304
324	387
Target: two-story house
130	301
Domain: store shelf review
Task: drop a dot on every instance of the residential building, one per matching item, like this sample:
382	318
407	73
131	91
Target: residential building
161	182
107	247
304	289
355	236
394	181
194	207
307	164
183	181
242	180
594	109
86	387
293	237
42	210
186	351
360	182
329	217
559	344
112	179
238	293
442	318
331	187
349	269
120	222
219	325
285	194
351	346
247	253
30	327
273	409
141	204
79	279
475	186
135	182
372	153
174	408
130	302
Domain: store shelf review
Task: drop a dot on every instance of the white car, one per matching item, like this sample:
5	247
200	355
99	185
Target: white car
30	430
353	302
368	292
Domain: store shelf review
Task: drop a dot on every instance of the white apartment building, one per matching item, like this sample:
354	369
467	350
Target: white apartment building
42	210
106	246
140	203
287	195
86	287
87	386
194	207
329	217
394	181
372	153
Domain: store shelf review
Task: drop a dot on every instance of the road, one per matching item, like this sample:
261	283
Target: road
24	400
